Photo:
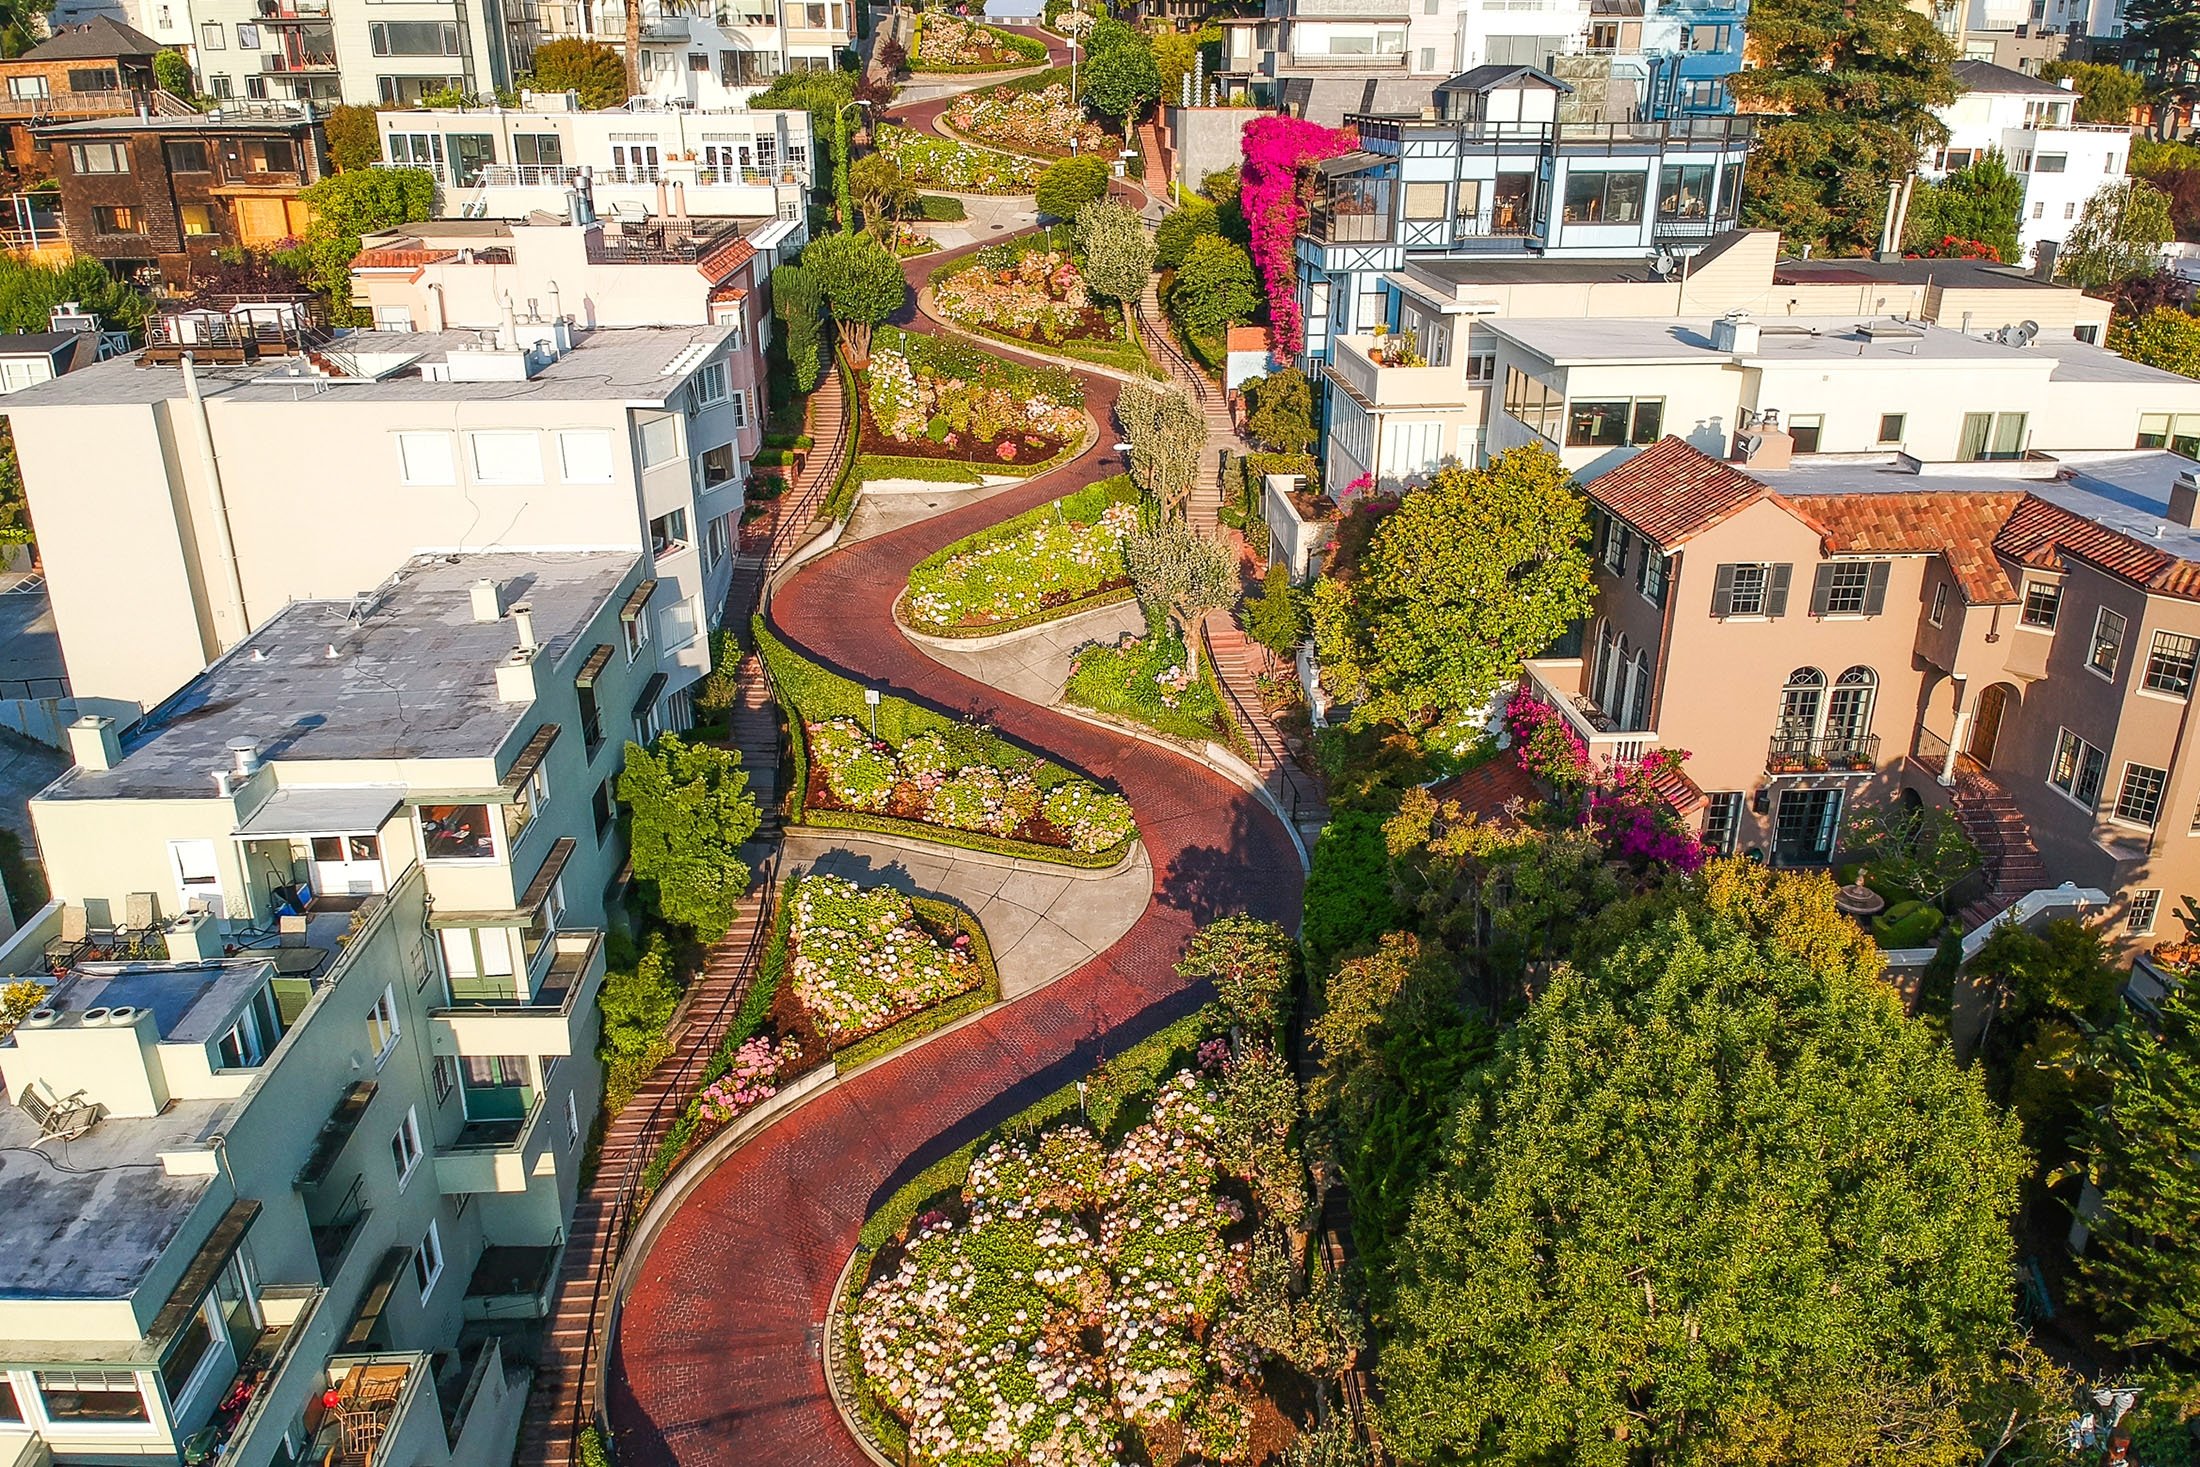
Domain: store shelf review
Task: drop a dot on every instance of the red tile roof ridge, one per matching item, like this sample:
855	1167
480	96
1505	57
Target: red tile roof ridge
1673	491
728	257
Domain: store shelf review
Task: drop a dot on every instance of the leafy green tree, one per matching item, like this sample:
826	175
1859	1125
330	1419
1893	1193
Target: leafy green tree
172	74
1713	1201
1279	411
1118	257
1276	619
1181	575
346	207
822	94
862	284
1249	963
1854	84
1919	848
1070	184
637	1001
797	301
2106	94
2164	337
1348	901
29	290
1981	202
1471	573
1215	286
2141	1266
689	810
1121	77
2119	234
1168	438
1260	1105
2165	36
354	142
591	68
1179	229
882	190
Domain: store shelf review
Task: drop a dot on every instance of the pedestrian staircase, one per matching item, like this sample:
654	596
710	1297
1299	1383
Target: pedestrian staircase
2004	840
1238	663
1204	511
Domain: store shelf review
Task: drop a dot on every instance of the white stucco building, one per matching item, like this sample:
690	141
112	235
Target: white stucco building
2033	124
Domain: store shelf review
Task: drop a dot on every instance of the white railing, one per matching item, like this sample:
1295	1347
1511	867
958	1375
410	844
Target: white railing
2031	905
1618	747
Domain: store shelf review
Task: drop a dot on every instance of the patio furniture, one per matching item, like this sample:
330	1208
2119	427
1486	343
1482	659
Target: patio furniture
65	951
626	211
140	935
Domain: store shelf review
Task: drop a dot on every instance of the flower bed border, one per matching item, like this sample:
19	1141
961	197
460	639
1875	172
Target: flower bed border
780	660
1021	45
1008	529
1098	601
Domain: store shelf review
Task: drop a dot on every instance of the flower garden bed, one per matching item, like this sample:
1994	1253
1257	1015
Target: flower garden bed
1148	683
1072	1288
934	162
1044	122
928	777
930	398
948	43
1030	295
1049	562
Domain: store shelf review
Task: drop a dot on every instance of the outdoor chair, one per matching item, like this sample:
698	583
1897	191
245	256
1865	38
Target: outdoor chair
65	951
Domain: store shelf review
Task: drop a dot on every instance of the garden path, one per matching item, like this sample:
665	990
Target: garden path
717	1354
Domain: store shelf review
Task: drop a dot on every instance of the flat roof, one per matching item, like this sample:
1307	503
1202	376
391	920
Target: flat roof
190	1002
414	676
162	122
610	364
1948	274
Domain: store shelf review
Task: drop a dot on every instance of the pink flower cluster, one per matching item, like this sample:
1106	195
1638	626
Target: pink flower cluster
1545	744
1631	819
1270	194
750	1080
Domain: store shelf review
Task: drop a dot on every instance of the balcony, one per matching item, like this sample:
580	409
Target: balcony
266	1371
491	1017
367	1414
1356	365
1822	754
492	1155
1550	680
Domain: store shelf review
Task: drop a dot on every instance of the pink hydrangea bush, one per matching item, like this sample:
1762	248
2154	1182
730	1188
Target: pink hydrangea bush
751	1080
1273	192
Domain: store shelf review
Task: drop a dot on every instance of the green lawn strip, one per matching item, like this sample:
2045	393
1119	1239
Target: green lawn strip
1115	1095
932	470
944	914
808	693
1121	684
1118	489
841	501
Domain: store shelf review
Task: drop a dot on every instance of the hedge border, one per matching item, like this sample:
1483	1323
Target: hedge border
840	501
771	650
1115	484
924	1021
931	470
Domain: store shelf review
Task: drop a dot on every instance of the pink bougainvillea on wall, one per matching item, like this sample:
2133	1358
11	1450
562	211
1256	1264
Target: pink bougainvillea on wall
1274	201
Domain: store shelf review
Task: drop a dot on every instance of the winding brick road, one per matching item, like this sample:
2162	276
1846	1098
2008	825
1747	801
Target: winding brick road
717	1354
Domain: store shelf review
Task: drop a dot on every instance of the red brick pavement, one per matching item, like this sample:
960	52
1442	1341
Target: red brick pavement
717	1358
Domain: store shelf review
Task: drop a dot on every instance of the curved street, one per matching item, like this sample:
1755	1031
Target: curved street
717	1355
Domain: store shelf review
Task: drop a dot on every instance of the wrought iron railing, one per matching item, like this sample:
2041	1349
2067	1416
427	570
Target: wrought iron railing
1821	753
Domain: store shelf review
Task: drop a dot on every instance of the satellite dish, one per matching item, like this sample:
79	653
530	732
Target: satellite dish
2027	333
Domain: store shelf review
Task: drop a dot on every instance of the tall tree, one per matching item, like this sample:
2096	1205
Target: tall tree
633	55
1180	575
1121	79
2119	235
796	301
347	207
689	811
877	184
590	68
172	74
1118	257
1279	411
2164	337
862	284
2165	36
1471	573
2106	94
1717	1200
1168	438
1854	83
353	139
1215	286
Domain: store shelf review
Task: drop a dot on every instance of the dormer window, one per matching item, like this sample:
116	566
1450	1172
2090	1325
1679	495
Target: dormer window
249	1041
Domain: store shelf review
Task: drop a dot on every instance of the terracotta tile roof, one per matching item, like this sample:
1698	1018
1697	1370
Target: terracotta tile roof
1671	491
1246	338
1682	794
1485	790
726	259
2039	533
1961	526
399	259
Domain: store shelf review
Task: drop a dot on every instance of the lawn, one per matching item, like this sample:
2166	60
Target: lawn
1148	683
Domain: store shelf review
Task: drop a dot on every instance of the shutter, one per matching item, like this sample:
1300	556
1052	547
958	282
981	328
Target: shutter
1722	591
1776	590
1821	588
1875	593
1625	544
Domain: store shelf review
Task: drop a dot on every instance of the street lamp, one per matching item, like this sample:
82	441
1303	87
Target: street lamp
1074	13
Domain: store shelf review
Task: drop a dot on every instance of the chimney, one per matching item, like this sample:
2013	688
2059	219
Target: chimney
2184	500
94	744
2043	260
486	600
1735	333
516	676
523	622
244	757
1764	446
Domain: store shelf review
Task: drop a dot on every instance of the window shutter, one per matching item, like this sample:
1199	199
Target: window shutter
1875	593
1599	527
1625	544
1722	591
1776	590
1821	588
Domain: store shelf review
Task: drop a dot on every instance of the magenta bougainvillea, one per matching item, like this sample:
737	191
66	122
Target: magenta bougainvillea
1545	744
1620	804
1272	194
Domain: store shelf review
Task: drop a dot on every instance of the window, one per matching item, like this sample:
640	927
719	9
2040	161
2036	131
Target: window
2042	603
538	150
428	1260
1481	367
526	803
710	383
717	540
2078	769
425	458
660	440
27	88
1722	821
2179	433
117	219
1609	197
718	465
456	833
698	61
572	1119
190	1347
197	219
1891	426
99	157
636	628
220	87
2170	664
1616	536
11	1409
1800	702
255	87
91	1395
2039	211
414	37
1807	429
1684	191
382	1025
2089	333
186	157
2139	914
1706	38
253	1035
2070	211
1939	614
740	402
669	532
2140	799
405	1148
1991	436
584	456
212	37
1955	160
1534	404
604	807
505	458
444	1074
1650	575
1849	710
1596	424
270	155
1425	200
678	624
1850	588
497	1086
393	318
2051	163
1750	590
2108	642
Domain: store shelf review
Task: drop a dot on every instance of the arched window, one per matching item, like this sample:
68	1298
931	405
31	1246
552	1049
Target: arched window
1800	703
1638	704
1612	693
1601	667
1849	710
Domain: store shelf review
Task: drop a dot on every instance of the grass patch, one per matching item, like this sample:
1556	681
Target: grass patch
931	470
982	585
841	501
940	209
1126	684
941	914
808	693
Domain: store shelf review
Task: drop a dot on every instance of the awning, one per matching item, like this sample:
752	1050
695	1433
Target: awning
538	892
362	1333
351	1108
206	1265
1359	162
593	667
638	600
650	690
530	759
333	810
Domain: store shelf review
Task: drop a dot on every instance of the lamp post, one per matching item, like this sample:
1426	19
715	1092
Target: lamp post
1074	12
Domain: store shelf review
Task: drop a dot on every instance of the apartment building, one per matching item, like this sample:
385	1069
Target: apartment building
712	56
537	435
388	53
654	161
166	22
2032	124
320	1074
99	68
459	273
2018	641
163	193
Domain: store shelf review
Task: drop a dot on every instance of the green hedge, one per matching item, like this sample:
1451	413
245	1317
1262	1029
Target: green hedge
932	470
1906	924
940	209
841	502
809	692
940	1015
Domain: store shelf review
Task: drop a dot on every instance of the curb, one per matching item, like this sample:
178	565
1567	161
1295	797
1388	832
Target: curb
839	839
836	1323
1105	601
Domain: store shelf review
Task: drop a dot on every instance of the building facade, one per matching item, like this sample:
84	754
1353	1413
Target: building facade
99	68
712	57
388	53
2033	125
